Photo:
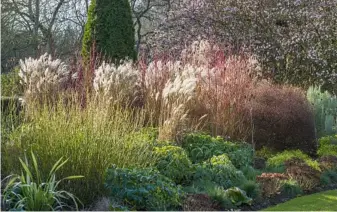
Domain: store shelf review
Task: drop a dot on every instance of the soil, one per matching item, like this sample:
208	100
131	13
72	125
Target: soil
200	202
280	198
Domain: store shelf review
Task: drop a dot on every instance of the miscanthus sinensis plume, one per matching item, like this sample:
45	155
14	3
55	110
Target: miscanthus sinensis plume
42	75
117	83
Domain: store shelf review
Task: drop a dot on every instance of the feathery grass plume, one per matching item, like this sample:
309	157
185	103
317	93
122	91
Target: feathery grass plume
212	88
42	78
119	84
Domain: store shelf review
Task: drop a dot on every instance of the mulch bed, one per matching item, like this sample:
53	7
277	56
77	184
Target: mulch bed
281	198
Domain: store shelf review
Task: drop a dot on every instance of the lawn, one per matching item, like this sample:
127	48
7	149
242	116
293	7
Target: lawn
324	201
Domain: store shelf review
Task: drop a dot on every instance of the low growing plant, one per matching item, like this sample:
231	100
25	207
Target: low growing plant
218	195
173	163
329	177
291	188
201	147
220	171
143	189
251	188
250	173
237	196
29	191
327	146
279	159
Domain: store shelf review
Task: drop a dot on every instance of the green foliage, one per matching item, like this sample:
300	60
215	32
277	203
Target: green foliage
201	147
89	31
249	172
173	163
237	196
143	189
11	115
327	146
251	188
220	160
242	157
10	84
265	153
329	177
325	110
30	192
218	195
228	199
291	188
220	171
92	138
278	160
110	26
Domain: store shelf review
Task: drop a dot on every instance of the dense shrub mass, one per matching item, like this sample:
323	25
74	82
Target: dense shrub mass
201	147
173	163
143	189
220	171
327	146
280	159
282	119
291	188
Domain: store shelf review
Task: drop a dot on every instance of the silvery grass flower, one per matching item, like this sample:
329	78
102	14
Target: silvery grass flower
43	74
116	82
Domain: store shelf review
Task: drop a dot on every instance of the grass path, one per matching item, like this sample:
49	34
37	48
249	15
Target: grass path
324	201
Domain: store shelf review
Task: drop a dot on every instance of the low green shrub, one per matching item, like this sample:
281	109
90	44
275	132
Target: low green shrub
250	173
242	157
277	161
237	196
218	195
251	188
265	153
291	188
327	146
29	191
329	177
325	179
143	189
219	170
228	199
173	163
201	147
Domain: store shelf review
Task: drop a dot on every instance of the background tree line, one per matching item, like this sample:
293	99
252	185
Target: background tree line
294	41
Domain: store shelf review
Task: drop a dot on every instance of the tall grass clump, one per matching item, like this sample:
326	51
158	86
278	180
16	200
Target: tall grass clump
43	78
202	90
93	138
